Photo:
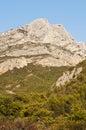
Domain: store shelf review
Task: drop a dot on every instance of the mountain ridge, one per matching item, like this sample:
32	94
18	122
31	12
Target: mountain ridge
39	43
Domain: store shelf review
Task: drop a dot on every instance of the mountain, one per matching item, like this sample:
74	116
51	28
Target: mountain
42	79
39	43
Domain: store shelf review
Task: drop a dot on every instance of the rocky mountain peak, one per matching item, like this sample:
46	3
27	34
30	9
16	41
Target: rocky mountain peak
40	43
42	30
40	21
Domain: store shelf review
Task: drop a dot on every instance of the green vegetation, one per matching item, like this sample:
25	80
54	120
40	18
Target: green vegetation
33	78
34	106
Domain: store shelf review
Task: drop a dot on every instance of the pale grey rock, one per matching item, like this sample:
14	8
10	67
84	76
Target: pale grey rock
9	64
67	76
10	92
41	43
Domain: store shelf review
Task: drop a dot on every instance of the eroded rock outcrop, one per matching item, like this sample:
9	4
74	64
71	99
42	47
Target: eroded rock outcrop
67	76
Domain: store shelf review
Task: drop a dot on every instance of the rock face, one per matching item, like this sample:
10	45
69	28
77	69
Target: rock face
40	43
66	77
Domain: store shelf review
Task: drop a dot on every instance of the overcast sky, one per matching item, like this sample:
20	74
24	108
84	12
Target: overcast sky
70	13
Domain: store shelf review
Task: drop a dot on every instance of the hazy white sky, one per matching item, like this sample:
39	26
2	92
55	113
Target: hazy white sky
70	13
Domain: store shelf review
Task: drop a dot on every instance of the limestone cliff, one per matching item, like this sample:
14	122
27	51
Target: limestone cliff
40	43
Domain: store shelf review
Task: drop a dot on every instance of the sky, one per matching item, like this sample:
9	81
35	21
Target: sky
70	13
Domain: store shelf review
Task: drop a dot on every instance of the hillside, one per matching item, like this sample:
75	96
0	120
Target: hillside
32	78
30	99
